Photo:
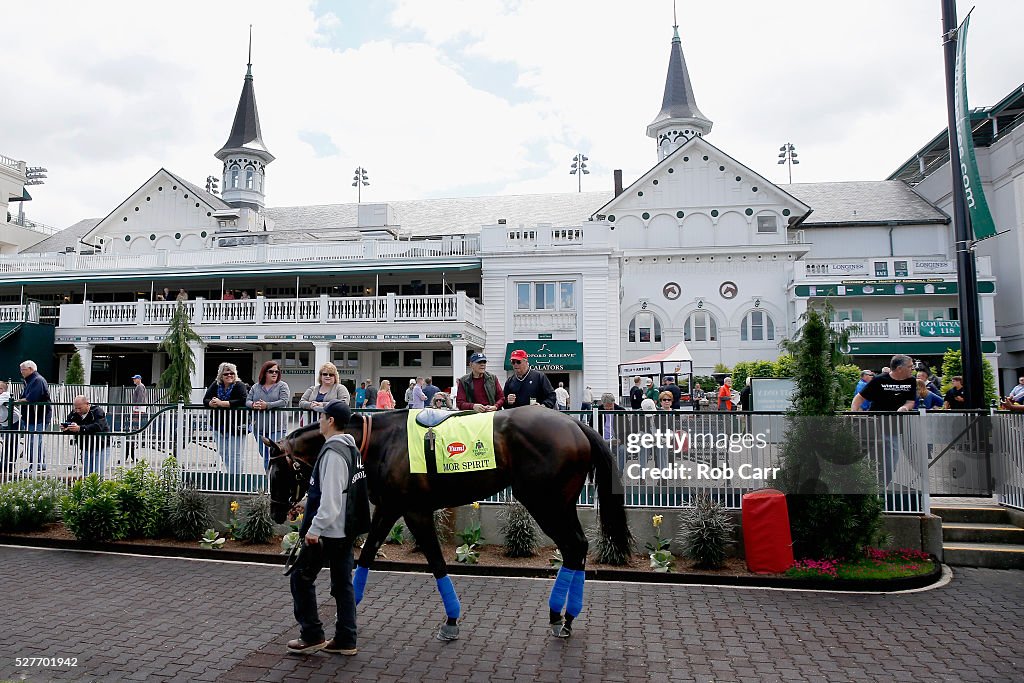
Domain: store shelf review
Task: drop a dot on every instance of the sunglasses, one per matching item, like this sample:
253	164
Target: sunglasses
327	374
273	372
517	362
229	374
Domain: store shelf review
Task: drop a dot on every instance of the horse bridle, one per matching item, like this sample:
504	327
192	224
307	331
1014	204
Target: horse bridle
297	465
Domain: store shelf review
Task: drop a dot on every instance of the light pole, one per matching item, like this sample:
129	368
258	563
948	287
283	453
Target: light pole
34	175
360	179
787	155
579	169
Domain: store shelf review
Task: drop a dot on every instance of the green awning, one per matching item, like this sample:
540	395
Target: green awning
557	355
932	348
9	330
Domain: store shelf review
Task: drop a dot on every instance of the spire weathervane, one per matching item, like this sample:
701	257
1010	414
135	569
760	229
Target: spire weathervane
249	65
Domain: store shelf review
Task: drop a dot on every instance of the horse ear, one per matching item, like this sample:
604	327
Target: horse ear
272	445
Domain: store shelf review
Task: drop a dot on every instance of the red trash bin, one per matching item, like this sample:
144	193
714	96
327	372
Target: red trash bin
766	536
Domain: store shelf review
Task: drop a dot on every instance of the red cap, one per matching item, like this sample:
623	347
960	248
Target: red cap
518	354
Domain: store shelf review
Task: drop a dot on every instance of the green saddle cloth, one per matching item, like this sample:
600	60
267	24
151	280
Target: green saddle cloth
462	443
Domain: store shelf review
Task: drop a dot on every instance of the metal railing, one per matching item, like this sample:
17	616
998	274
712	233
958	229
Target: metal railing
723	455
1008	444
278	253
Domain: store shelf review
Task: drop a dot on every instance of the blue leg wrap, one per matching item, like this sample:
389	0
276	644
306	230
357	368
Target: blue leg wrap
575	605
359	582
561	588
452	607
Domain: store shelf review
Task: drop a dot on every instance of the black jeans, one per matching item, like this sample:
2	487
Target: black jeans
336	553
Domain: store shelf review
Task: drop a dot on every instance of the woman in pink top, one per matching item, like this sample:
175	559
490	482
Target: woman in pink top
385	401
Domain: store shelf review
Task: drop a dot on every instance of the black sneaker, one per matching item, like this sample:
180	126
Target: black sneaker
301	647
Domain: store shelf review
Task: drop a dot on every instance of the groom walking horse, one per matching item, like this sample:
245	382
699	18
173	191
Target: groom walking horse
543	455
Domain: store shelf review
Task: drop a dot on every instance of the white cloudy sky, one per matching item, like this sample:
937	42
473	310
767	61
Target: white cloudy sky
472	97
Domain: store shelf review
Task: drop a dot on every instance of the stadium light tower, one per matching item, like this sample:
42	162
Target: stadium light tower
360	179
787	155
579	169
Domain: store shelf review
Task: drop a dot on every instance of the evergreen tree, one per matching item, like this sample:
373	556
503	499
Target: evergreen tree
833	510
177	378
75	373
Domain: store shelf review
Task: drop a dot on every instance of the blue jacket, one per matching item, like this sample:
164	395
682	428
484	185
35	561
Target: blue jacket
36	391
860	385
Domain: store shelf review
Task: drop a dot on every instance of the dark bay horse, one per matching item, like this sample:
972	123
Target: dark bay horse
543	455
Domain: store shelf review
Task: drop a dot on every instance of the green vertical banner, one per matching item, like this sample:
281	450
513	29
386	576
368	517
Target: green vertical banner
974	195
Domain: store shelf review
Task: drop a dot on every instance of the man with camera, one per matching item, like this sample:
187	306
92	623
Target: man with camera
89	425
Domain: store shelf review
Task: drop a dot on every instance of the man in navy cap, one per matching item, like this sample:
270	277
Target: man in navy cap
479	390
526	385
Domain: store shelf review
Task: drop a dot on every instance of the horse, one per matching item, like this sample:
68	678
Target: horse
543	455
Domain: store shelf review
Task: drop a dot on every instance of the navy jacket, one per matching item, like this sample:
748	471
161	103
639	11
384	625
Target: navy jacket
36	391
535	384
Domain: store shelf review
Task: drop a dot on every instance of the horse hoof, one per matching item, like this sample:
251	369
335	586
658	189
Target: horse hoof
448	632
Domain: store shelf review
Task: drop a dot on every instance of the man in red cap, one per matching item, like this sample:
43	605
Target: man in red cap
525	384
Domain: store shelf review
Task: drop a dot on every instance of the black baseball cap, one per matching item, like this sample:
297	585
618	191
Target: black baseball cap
339	410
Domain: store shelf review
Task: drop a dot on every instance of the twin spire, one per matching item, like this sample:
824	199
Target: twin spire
245	130
679	118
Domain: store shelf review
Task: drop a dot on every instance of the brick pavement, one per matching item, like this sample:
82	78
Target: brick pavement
159	619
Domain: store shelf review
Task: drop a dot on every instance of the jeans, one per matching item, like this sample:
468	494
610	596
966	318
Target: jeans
34	446
229	447
94	459
264	449
337	554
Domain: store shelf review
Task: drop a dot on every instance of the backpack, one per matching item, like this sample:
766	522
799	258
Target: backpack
357	505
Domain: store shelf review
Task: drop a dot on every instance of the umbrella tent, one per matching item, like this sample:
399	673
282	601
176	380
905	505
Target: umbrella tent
675	360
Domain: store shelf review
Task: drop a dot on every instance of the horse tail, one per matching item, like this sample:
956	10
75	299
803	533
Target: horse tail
611	506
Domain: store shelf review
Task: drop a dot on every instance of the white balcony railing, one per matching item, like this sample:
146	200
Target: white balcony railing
275	253
324	309
891	328
27	313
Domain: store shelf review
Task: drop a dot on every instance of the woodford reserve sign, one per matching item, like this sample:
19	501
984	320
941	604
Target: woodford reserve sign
547	355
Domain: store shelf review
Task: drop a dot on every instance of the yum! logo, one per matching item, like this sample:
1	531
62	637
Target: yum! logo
456	448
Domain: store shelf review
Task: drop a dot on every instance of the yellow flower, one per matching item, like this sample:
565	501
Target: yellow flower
476	506
656	521
235	506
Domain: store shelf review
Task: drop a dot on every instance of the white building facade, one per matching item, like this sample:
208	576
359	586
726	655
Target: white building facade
699	249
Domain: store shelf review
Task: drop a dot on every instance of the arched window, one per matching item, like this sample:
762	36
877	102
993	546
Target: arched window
259	182
234	177
645	328
249	182
701	326
757	326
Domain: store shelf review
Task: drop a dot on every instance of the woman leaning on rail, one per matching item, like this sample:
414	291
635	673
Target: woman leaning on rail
228	426
265	398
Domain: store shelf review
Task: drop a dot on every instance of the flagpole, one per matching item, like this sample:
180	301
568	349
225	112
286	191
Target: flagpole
967	279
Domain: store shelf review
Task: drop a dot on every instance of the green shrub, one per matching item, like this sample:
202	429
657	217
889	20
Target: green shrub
257	525
751	368
705	532
28	504
707	383
396	535
518	529
189	514
952	365
606	551
92	510
142	500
